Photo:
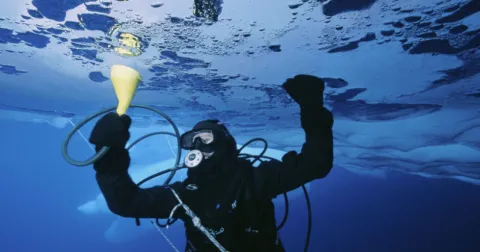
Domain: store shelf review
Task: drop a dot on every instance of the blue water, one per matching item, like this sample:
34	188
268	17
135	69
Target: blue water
402	80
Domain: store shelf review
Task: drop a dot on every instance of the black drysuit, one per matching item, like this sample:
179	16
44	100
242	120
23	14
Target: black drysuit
245	222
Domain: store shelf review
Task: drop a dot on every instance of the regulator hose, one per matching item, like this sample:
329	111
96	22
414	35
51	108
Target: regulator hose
102	152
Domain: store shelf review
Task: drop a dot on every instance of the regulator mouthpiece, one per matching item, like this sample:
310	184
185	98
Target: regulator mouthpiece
193	158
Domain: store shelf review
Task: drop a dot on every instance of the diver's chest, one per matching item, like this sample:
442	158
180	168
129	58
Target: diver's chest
214	210
209	202
235	223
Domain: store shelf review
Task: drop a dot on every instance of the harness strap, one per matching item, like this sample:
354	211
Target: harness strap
196	221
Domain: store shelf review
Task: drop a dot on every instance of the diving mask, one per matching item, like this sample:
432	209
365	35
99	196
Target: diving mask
200	144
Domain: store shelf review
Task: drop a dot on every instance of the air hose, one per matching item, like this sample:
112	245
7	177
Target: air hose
177	166
102	152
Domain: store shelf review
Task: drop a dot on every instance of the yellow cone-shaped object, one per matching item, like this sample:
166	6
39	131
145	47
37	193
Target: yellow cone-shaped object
125	82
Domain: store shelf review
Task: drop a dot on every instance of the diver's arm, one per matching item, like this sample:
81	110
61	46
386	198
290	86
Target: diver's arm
313	162
124	197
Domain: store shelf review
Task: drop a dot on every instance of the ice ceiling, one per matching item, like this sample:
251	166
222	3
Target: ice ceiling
402	76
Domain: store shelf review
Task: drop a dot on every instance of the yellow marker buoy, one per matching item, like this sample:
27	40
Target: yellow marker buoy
125	82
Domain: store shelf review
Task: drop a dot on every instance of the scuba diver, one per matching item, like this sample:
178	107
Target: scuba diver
225	202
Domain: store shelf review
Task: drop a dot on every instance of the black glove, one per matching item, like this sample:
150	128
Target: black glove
112	131
306	90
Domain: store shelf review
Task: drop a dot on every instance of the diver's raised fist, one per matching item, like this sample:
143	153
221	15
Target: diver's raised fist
306	90
111	130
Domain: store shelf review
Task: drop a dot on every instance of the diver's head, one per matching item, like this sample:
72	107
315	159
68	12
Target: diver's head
212	149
